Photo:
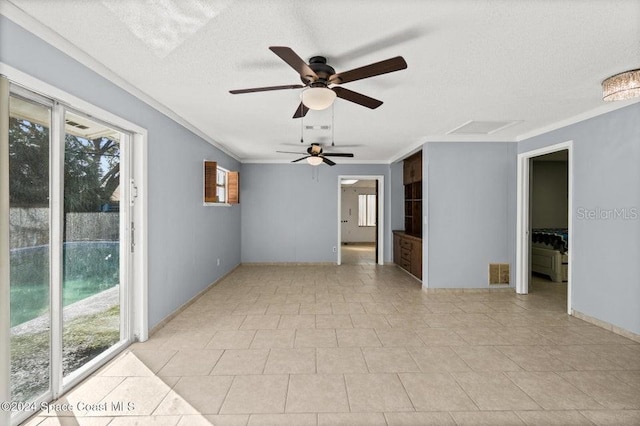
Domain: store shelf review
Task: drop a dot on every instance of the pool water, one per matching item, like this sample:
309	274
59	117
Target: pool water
90	267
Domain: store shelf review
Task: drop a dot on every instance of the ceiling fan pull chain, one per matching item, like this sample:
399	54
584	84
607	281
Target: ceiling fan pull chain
301	125
333	125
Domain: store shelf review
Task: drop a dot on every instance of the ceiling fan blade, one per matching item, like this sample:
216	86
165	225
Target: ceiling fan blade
327	161
301	111
300	159
294	61
338	154
266	89
290	152
356	97
383	67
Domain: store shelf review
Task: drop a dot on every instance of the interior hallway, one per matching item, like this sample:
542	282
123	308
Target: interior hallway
364	345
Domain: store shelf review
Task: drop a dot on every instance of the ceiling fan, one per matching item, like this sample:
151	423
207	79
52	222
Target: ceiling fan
317	156
322	83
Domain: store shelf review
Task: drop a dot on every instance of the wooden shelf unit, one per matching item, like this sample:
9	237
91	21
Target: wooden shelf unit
407	244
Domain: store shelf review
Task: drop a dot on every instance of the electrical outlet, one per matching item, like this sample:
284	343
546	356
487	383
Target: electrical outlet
335	249
218	262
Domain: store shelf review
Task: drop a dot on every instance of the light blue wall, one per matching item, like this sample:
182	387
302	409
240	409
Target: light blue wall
185	238
469	190
290	211
605	252
397	197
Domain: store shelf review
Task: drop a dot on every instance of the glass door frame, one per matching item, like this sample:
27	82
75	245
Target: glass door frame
132	293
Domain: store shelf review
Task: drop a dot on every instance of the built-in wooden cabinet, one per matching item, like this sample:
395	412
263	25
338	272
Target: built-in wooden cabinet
407	244
407	252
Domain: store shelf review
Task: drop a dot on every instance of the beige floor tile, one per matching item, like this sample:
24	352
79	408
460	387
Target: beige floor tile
551	391
297	321
204	393
533	358
613	417
256	394
68	421
359	337
273	339
600	336
147	420
347	308
232	339
188	340
241	361
421	419
250	309
226	420
284	308
341	360
379	308
358	297
440	337
553	418
174	404
481	336
291	361
389	360
494	391
303	299
315	308
227	322
399	337
435	392
605	388
260	322
621	355
333	321
127	364
632	378
442	307
406	321
282	420
351	419
154	359
369	321
319	393
308	338
581	358
191	362
145	393
376	393
437	359
487	418
485	358
329	298
199	420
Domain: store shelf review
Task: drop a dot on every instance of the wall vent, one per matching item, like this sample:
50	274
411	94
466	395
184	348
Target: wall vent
499	273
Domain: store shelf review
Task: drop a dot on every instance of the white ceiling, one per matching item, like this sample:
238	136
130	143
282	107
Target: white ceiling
539	63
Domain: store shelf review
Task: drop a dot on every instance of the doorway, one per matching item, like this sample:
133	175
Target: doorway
360	201
544	237
70	245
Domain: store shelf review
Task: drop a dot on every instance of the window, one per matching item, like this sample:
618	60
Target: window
221	186
366	210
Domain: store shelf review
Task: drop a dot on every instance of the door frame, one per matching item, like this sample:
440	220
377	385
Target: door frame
137	186
379	219
523	260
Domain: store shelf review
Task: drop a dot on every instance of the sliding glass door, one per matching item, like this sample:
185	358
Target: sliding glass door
69	248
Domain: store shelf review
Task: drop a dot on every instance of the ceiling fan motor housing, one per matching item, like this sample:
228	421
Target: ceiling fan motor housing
319	65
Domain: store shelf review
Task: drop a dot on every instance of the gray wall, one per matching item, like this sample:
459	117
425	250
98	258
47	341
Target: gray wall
185	238
290	211
605	251
469	190
549	194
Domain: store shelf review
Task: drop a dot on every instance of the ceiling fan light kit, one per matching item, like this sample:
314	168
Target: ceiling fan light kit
625	85
314	160
318	98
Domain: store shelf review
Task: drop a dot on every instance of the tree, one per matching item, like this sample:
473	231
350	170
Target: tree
91	170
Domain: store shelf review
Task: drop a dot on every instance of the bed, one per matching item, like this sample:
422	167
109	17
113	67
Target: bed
549	248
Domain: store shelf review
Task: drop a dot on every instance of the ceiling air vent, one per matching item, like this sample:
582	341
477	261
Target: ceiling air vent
317	127
481	127
74	124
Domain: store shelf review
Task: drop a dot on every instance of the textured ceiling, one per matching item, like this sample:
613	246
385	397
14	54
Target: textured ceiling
534	62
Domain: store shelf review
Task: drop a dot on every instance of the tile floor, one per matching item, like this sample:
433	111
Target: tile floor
363	345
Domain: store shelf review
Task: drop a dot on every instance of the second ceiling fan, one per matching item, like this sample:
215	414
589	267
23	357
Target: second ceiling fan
322	83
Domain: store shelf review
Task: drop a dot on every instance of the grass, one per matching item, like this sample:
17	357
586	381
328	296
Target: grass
83	339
